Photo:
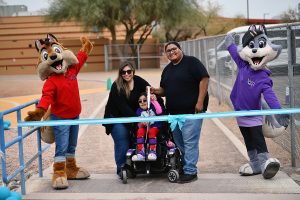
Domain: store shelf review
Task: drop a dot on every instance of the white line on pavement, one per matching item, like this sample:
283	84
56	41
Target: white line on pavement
93	115
235	141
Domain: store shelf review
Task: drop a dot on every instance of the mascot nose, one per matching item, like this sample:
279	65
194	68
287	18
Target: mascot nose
254	50
53	57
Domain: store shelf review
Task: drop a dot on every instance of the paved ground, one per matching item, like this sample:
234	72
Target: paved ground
221	154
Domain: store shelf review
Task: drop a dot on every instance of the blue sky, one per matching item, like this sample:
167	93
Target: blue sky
229	8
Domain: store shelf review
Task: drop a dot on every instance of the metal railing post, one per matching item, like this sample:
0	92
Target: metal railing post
2	146
21	156
106	64
217	72
291	62
40	158
138	56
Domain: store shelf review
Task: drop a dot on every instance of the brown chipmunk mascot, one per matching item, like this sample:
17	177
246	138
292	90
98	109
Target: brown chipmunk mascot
59	67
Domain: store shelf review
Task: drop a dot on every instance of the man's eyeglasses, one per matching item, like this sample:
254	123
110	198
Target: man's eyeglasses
126	71
143	101
168	51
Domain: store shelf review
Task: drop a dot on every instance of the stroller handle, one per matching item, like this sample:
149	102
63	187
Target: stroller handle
148	97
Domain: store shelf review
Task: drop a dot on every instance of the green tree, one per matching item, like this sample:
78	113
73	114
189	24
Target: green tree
139	17
180	22
195	21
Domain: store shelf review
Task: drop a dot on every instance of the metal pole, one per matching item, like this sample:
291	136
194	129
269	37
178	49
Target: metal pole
106	64
217	72
138	56
21	156
2	148
247	11
291	62
205	55
194	49
40	158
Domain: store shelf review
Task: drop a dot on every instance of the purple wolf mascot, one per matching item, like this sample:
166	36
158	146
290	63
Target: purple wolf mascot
253	83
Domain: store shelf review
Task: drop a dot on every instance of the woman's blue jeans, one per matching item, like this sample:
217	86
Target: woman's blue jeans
65	140
187	140
121	137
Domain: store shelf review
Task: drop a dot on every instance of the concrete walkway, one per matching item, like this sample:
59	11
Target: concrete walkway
221	154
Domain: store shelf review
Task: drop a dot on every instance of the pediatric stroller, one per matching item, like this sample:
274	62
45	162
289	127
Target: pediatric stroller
168	158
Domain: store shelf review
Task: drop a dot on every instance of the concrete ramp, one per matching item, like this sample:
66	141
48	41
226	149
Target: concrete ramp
208	186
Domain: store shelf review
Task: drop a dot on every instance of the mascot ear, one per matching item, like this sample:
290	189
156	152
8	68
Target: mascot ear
38	45
51	38
252	28
263	29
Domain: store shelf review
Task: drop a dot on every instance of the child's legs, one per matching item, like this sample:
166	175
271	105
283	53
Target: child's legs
140	138
152	138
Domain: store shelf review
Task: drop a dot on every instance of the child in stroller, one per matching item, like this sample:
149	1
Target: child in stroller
153	151
148	129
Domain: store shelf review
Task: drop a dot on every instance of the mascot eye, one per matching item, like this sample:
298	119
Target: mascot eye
261	44
251	45
57	50
44	55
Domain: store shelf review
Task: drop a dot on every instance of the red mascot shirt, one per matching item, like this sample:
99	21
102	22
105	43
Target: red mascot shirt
62	93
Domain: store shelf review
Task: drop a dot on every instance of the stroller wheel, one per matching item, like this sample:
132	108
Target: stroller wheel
173	175
124	176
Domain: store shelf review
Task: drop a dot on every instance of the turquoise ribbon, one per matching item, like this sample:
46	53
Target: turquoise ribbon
159	118
176	119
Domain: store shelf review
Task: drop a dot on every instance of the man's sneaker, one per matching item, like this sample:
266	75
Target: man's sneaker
187	178
152	156
139	157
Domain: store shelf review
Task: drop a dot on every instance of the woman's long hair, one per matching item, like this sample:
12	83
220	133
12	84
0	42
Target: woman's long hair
122	85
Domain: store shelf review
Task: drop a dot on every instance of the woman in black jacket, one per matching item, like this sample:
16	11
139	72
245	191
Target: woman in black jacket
123	102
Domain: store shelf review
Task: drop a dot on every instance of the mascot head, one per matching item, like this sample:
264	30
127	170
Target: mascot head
257	48
53	57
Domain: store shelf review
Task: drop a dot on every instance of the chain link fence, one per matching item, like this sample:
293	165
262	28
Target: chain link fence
222	69
142	56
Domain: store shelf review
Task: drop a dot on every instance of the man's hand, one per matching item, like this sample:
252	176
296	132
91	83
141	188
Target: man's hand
35	115
157	91
199	108
153	97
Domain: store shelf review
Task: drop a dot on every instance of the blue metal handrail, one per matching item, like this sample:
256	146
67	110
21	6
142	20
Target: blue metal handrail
19	139
173	119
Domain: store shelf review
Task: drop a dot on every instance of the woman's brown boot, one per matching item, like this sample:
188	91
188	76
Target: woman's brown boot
59	178
74	172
